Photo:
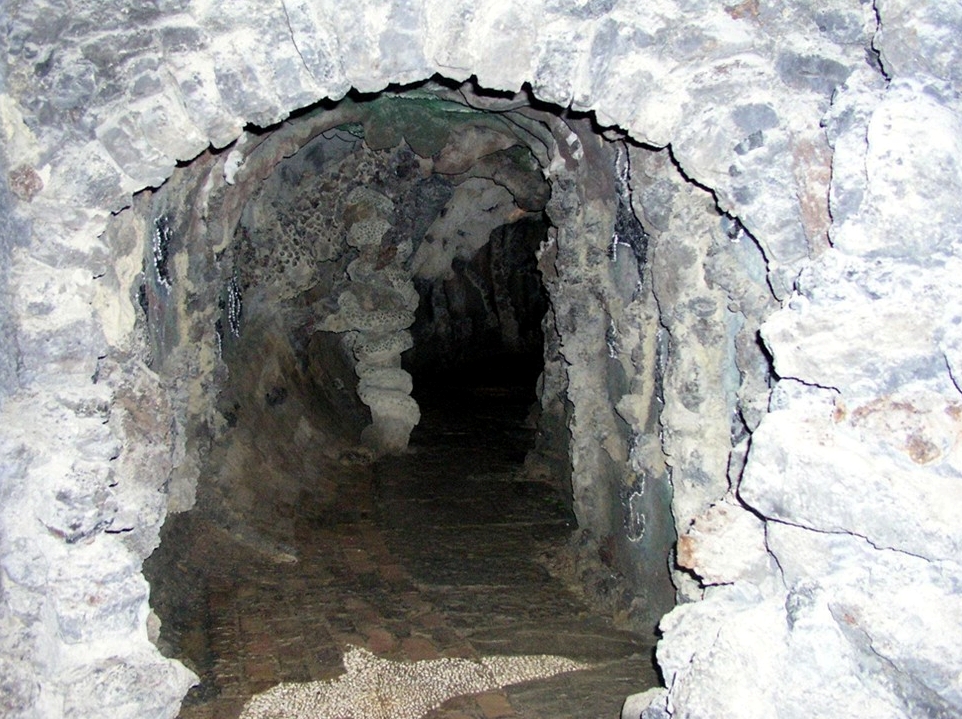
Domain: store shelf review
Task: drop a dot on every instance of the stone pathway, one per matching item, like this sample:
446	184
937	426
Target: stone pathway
433	554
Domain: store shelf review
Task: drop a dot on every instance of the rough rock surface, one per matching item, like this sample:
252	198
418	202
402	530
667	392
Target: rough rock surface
793	168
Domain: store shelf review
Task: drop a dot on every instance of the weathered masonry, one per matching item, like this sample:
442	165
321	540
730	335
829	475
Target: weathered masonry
730	232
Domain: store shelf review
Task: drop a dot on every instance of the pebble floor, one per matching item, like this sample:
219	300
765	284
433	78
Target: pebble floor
434	553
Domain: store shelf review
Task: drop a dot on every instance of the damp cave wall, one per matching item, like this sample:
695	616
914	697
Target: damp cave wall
291	267
811	146
304	272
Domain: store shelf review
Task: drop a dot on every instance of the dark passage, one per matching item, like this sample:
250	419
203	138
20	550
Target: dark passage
402	241
438	552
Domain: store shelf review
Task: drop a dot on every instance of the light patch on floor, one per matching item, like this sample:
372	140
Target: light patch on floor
374	688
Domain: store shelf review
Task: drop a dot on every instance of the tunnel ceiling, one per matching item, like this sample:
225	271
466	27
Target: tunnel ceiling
776	381
417	185
339	222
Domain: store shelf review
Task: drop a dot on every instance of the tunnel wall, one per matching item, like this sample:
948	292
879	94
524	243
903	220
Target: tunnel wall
818	528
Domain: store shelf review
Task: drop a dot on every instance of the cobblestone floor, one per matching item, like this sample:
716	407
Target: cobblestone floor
432	554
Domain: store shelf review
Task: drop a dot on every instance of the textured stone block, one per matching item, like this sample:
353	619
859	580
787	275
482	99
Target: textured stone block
903	607
811	72
912	39
725	544
814	340
128	147
89	176
808	471
131	687
317	45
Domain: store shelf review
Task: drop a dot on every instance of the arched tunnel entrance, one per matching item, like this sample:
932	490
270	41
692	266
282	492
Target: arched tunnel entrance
211	283
385	456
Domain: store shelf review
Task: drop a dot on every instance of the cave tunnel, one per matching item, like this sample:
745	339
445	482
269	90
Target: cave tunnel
421	359
388	460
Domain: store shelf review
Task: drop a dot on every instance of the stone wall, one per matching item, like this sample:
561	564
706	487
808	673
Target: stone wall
794	167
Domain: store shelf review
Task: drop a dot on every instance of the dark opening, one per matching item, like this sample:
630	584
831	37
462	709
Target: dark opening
399	246
482	325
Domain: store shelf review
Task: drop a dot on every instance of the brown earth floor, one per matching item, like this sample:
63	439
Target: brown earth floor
435	553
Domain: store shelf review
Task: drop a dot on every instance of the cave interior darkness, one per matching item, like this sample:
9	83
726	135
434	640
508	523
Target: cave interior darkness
374	267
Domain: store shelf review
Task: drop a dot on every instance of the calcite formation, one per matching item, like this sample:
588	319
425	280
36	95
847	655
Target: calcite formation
382	385
374	688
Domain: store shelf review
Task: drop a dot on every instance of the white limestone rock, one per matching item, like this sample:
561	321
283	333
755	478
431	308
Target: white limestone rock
809	469
724	545
823	336
315	37
913	39
131	685
900	614
649	704
878	635
901	199
725	655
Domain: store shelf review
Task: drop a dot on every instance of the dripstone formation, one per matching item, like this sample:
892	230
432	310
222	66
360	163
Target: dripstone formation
221	216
